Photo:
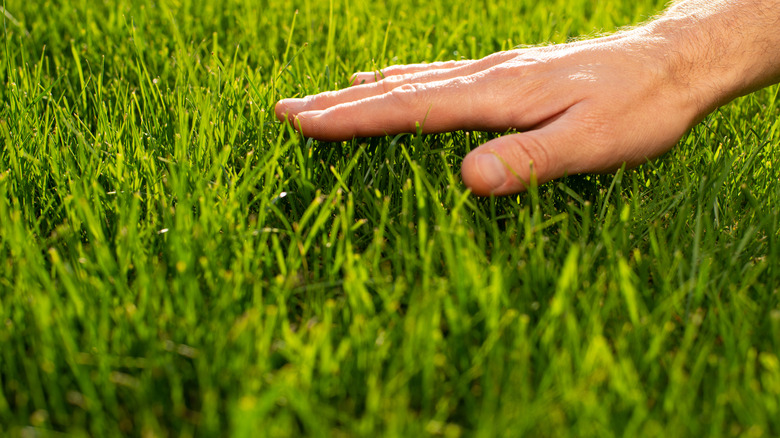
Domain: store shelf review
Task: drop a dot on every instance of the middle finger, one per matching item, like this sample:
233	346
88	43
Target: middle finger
322	101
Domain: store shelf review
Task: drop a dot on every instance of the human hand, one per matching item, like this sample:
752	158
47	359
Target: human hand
589	106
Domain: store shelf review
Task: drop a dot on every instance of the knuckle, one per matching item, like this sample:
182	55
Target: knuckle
407	95
390	83
324	98
528	152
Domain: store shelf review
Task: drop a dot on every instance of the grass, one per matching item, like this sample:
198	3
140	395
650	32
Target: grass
174	262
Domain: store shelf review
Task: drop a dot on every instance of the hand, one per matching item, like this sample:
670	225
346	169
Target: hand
582	107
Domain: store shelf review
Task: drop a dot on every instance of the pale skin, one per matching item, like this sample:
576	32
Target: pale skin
588	106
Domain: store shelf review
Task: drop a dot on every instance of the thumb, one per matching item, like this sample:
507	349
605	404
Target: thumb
507	164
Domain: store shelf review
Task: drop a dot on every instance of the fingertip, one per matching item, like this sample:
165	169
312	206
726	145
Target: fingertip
485	173
286	109
533	157
280	110
308	123
361	78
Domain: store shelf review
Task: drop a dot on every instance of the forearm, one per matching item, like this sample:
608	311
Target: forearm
722	48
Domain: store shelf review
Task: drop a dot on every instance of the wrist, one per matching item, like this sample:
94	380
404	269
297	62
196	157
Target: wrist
718	49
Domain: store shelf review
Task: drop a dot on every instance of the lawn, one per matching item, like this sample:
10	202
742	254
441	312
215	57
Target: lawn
175	262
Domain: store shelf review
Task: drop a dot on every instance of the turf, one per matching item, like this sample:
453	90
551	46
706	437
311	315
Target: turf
175	262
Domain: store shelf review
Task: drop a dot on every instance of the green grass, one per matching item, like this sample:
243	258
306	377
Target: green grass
175	262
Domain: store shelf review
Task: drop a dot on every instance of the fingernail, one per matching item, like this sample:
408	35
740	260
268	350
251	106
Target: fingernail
492	170
292	106
362	78
306	117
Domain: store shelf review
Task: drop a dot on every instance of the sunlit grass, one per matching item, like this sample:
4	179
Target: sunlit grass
175	262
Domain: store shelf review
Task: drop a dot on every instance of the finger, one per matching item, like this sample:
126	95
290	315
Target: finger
397	70
289	108
507	164
364	77
361	78
488	101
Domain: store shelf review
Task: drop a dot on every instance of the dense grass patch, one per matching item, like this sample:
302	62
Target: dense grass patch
175	262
